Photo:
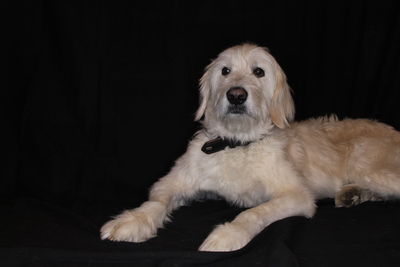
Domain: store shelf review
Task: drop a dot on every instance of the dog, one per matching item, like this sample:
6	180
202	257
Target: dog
250	152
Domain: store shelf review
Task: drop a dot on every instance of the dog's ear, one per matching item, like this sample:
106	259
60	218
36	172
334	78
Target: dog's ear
205	87
281	108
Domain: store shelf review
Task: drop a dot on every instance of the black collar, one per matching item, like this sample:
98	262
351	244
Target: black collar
219	144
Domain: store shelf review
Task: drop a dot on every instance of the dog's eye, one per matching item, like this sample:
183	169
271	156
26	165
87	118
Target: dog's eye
225	71
258	72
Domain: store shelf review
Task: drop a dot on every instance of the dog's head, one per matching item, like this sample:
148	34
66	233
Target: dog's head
244	94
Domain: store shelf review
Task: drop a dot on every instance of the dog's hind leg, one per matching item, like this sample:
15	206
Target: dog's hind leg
379	185
384	182
140	224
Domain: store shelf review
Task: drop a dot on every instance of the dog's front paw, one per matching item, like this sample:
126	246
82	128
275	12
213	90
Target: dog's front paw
226	237
131	226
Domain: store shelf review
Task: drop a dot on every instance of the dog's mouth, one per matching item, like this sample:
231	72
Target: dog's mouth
236	109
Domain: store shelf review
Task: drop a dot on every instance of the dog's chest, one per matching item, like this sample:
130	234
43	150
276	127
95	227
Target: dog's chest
237	174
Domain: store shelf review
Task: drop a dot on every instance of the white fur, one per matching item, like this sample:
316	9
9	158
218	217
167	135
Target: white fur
280	173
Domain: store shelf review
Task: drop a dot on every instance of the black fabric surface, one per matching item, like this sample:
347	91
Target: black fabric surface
38	233
99	100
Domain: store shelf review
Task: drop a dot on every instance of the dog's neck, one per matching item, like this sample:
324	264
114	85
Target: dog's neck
234	131
219	143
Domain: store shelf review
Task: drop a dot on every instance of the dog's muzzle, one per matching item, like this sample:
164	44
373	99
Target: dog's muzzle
237	97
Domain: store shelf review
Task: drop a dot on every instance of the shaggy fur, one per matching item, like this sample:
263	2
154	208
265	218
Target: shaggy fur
284	169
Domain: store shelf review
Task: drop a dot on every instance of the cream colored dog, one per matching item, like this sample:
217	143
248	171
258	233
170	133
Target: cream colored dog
248	153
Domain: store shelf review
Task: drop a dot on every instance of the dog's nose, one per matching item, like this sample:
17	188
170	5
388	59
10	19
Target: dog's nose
236	95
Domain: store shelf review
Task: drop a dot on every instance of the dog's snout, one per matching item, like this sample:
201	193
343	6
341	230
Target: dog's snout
236	95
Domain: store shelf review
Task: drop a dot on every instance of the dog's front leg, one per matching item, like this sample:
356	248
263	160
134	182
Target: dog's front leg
140	224
236	234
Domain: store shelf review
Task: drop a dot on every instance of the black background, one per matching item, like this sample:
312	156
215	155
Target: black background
100	98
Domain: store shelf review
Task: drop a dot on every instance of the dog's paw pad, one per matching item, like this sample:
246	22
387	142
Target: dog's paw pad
348	196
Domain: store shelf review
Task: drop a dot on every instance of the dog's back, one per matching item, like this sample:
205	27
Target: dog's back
330	153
